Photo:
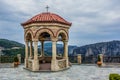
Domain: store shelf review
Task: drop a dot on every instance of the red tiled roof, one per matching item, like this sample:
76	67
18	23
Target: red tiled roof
48	18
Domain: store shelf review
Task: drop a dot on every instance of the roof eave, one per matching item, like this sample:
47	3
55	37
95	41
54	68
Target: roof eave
24	24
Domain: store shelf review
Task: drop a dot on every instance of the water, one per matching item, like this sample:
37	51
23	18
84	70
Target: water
76	72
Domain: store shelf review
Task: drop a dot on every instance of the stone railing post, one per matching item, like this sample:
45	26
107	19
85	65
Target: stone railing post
101	57
19	58
101	60
79	58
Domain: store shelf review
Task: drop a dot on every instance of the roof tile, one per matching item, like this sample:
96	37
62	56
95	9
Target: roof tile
47	17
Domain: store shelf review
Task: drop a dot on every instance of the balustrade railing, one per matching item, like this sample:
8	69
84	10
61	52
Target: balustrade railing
111	59
7	59
84	59
62	63
89	59
30	64
73	59
93	59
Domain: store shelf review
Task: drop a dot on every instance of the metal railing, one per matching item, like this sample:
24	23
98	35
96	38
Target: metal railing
85	60
111	59
73	59
89	59
7	59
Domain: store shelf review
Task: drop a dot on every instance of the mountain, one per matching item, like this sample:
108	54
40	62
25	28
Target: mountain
111	48
60	49
4	43
11	48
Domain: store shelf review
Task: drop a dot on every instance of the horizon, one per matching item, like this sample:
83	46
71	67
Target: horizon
92	21
60	42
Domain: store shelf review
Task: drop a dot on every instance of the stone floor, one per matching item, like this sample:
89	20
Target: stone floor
76	72
6	65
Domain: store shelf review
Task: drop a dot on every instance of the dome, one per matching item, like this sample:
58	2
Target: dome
47	17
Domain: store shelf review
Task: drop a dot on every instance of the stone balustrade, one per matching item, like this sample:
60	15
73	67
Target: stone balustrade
30	62
62	64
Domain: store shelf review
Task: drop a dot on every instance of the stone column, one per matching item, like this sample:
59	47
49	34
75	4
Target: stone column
54	64
26	54
30	49
36	61
42	48
79	58
66	53
101	57
19	58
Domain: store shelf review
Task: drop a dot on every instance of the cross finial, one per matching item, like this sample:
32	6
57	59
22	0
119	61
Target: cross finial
47	7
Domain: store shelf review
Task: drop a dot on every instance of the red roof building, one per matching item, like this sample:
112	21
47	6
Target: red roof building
43	27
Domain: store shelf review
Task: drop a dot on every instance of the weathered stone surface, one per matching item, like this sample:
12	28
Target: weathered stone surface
6	65
76	72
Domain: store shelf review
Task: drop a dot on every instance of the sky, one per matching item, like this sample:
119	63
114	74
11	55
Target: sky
92	20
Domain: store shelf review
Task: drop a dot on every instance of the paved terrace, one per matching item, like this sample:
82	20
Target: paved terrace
76	72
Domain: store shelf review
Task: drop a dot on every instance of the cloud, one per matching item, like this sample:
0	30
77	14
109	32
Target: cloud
92	20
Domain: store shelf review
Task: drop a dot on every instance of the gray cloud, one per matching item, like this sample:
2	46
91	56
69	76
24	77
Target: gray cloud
92	20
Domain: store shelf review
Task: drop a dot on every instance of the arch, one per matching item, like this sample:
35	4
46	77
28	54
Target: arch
43	30
44	36
28	33
63	33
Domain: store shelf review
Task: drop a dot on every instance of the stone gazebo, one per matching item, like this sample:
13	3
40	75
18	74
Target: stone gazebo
43	27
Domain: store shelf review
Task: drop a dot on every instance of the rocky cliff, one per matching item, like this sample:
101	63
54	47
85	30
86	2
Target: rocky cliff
111	48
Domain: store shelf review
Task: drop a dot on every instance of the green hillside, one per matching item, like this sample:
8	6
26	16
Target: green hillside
8	50
9	44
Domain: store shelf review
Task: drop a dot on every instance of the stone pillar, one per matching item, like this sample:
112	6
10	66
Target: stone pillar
19	58
35	66
42	48
79	58
54	64
66	53
30	49
26	54
101	60
101	57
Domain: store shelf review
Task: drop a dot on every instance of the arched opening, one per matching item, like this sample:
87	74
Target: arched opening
28	37
45	51
43	37
48	48
61	44
60	49
28	48
30	45
62	37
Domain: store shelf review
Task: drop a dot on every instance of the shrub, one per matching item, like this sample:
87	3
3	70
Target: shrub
16	59
99	59
114	77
